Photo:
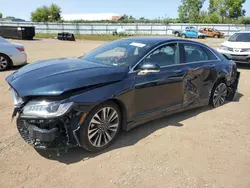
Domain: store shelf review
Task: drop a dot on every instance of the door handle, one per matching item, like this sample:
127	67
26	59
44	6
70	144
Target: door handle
210	65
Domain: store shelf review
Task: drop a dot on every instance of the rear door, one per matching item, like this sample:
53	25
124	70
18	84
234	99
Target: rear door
201	65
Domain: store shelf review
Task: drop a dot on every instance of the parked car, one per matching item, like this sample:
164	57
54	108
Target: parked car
177	32
238	47
211	32
192	34
121	32
11	54
85	102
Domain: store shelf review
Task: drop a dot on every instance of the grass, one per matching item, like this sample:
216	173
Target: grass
81	37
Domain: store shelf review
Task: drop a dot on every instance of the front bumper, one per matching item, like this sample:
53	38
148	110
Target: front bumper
50	134
241	58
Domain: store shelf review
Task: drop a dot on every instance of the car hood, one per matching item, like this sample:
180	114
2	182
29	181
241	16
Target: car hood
56	76
236	44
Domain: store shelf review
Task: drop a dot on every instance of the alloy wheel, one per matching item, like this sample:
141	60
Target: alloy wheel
3	63
220	94
103	127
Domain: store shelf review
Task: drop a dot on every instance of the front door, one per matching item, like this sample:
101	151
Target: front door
162	90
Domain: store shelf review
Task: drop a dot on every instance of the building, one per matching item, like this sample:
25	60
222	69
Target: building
10	19
91	17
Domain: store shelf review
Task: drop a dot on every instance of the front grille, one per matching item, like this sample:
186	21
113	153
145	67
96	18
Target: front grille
24	131
233	55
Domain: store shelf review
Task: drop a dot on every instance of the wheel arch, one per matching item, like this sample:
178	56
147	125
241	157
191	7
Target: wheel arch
121	107
123	111
217	81
11	62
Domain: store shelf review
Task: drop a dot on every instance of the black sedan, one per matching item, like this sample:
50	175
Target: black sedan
86	101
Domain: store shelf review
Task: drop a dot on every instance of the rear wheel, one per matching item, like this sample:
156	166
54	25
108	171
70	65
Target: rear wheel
177	34
4	62
219	94
183	36
101	127
216	36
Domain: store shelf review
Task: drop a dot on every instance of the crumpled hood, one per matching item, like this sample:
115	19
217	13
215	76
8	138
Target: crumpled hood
56	76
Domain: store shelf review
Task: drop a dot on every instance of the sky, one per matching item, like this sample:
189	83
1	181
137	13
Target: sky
138	8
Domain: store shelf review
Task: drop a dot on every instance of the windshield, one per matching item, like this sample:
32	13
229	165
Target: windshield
240	37
123	52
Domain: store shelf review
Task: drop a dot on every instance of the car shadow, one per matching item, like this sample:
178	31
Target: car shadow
14	68
243	66
126	139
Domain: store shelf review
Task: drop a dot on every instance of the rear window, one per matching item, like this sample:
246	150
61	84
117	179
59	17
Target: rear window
210	54
197	53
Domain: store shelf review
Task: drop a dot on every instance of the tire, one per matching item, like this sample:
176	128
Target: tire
98	132
177	34
5	62
216	36
183	36
219	94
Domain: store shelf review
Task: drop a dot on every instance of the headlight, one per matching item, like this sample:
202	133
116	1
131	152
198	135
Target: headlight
45	109
224	48
17	100
245	50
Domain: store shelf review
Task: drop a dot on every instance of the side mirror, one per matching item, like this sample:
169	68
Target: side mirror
149	67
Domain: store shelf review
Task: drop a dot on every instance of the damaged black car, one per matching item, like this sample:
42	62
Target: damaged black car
86	101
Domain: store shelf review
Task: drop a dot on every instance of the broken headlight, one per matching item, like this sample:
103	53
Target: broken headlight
45	109
17	100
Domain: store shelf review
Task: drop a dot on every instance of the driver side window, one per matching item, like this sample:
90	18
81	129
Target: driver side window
164	56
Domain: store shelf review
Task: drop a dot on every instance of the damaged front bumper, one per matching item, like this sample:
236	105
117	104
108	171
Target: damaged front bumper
51	134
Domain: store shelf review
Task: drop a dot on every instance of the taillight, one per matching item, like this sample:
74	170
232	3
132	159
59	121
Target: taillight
21	49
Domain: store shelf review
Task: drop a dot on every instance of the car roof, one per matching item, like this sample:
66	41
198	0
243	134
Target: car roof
150	39
157	39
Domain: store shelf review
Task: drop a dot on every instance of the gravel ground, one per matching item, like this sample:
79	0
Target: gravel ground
200	148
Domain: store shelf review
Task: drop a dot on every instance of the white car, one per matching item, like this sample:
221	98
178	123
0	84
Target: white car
11	54
238	46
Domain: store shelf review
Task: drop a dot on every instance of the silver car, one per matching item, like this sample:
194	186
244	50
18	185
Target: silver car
11	54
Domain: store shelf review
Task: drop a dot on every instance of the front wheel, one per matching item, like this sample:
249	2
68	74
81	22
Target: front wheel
219	94
183	36
101	127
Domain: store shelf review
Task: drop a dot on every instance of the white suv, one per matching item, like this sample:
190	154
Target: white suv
238	46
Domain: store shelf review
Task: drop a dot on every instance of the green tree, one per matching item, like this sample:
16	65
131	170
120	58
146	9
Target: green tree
124	17
47	14
227	9
212	6
235	8
1	15
189	10
55	13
